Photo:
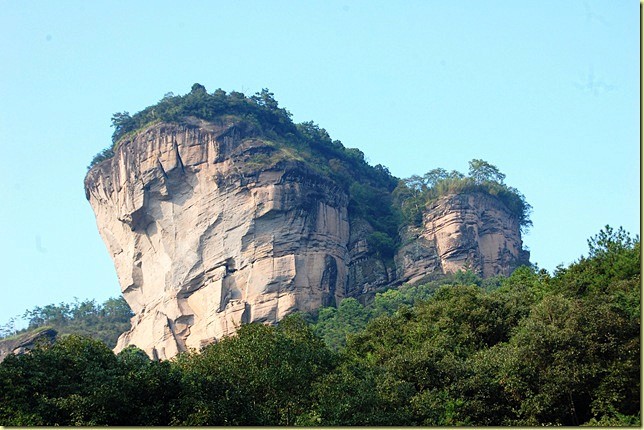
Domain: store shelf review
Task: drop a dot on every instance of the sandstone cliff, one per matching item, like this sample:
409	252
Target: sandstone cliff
203	240
470	231
211	225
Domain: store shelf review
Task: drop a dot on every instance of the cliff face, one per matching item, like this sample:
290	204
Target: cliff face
211	226
472	231
202	242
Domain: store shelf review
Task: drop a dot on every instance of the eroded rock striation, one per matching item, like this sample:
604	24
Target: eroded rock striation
470	231
211	225
203	240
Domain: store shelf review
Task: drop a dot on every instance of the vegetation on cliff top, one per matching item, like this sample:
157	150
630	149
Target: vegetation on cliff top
376	196
261	109
416	192
368	187
531	349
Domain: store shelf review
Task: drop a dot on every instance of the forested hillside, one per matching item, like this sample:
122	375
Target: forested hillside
531	349
103	322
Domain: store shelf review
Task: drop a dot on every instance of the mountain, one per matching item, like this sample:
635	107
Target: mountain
218	210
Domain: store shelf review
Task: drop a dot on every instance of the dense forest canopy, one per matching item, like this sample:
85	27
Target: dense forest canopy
530	349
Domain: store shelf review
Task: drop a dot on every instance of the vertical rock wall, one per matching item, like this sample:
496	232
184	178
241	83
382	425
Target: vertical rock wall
201	243
207	231
472	231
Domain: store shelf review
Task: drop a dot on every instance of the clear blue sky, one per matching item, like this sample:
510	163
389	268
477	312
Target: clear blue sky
548	91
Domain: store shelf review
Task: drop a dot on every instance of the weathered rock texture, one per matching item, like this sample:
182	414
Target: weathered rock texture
207	231
203	242
24	343
471	231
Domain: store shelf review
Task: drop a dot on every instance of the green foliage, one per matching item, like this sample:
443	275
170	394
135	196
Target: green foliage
79	381
260	376
368	187
103	322
382	244
105	154
261	109
333	325
610	242
413	194
533	349
482	171
57	385
122	123
8	329
358	393
612	255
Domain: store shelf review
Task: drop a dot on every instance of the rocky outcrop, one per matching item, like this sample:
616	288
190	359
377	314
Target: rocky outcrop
366	271
211	225
417	259
20	344
470	231
203	239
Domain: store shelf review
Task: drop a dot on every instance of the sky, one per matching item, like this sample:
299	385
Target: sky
547	91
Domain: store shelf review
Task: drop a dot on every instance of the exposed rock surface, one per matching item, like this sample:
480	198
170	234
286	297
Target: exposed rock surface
23	343
206	234
366	272
203	242
472	231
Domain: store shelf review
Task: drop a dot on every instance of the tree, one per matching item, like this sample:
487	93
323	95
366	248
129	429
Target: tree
68	383
614	256
198	89
105	154
122	123
360	393
482	171
9	328
265	99
104	322
150	389
382	244
334	324
260	376
610	241
434	176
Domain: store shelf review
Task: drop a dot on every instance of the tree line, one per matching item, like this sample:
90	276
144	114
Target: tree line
104	322
413	194
530	349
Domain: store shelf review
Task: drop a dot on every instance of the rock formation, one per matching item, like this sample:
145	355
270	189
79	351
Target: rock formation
203	241
210	225
470	231
20	344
